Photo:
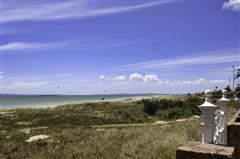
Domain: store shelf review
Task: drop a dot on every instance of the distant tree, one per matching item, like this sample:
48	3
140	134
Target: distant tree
199	94
237	90
237	74
217	94
230	93
228	88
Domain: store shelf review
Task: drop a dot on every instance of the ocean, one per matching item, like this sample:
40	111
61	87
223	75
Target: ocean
41	101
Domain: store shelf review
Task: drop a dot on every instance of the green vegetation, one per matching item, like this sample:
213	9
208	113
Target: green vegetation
230	93
173	109
78	114
237	90
77	131
217	94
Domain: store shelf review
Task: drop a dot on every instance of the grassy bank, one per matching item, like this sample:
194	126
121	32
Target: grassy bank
87	114
79	142
72	134
83	115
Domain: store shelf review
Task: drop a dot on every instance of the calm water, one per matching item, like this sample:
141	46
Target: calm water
17	101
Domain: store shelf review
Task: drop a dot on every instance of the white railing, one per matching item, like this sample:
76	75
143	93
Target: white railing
218	126
214	119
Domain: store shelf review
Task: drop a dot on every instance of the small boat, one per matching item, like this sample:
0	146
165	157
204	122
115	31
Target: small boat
102	98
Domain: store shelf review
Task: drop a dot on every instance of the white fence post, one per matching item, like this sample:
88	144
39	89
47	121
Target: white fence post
224	108
208	109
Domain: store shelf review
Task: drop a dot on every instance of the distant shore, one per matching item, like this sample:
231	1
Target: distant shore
50	101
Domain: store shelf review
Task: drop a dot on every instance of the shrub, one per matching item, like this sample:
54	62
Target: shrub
230	93
175	113
217	94
173	109
237	90
238	94
150	106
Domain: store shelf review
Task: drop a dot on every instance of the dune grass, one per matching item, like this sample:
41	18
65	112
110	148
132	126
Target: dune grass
73	137
79	142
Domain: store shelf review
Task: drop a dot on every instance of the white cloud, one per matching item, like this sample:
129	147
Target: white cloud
219	82
19	46
136	77
120	78
26	85
68	9
117	78
232	4
201	81
103	77
151	78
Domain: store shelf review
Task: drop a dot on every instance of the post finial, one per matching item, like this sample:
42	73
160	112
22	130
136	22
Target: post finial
222	122
224	97
208	94
208	109
224	92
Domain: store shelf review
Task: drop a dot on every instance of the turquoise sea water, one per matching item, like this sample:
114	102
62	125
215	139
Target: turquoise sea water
39	101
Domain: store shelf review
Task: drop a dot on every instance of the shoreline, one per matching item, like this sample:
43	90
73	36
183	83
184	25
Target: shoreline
54	105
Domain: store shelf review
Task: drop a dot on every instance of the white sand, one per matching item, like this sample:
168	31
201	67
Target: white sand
37	137
160	122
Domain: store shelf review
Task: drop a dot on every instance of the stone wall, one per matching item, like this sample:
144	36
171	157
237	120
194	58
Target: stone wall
233	129
198	150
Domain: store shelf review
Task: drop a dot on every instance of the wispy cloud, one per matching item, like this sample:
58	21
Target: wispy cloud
24	46
27	82
232	4
14	11
26	85
208	58
105	42
35	78
198	82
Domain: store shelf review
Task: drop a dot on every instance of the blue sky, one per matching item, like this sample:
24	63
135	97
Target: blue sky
129	46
